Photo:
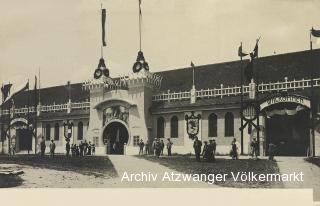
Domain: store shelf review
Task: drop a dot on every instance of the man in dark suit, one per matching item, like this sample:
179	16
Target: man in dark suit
197	144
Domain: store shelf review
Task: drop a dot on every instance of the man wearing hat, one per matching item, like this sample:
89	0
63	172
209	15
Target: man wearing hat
52	148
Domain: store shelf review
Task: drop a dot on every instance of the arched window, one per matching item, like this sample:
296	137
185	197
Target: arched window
47	131
160	127
212	125
174	127
229	125
56	131
80	131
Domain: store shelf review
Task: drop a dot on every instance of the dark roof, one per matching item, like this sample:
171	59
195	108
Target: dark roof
274	68
50	95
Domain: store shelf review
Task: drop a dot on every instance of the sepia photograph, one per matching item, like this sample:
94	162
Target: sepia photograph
148	94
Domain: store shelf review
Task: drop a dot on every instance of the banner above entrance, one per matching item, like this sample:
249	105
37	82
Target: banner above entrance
285	99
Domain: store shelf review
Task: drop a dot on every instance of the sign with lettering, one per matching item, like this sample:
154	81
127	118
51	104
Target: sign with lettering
285	99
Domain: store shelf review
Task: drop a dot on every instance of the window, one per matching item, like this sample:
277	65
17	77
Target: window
80	131
136	140
212	125
174	127
56	131
229	125
160	127
47	131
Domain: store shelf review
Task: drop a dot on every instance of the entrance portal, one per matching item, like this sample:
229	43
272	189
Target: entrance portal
116	136
287	126
24	139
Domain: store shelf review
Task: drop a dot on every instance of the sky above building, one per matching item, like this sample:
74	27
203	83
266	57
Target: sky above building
63	38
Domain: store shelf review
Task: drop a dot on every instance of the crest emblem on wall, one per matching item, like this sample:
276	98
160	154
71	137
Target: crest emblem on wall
192	122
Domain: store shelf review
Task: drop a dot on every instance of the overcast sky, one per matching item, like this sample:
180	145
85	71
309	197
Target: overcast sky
63	37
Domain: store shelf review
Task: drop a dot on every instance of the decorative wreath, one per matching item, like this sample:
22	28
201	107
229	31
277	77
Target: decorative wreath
98	73
146	66
137	67
105	72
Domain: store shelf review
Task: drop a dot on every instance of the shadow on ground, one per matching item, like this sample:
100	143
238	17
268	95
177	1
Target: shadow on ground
99	166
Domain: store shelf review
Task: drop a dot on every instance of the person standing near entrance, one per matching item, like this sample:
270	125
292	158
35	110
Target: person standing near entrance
254	148
197	144
85	147
42	147
169	146
141	146
271	151
68	148
154	146
161	146
212	150
52	148
157	148
147	147
81	147
234	149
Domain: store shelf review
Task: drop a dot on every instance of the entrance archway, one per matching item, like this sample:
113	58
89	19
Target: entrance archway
115	135
287	126
22	140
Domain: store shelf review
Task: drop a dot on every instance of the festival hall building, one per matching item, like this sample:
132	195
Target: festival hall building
116	113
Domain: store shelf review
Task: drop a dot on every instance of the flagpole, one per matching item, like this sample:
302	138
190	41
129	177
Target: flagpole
102	43
140	14
9	135
2	126
28	114
257	97
241	100
312	100
310	41
35	116
39	89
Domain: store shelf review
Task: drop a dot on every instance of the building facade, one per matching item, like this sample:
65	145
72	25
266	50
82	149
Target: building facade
116	113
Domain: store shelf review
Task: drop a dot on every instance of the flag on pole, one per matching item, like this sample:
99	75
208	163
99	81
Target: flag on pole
18	89
254	53
5	89
315	33
240	52
140	7
192	64
103	22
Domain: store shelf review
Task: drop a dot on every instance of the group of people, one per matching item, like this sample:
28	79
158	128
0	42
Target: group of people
208	151
156	148
43	147
83	149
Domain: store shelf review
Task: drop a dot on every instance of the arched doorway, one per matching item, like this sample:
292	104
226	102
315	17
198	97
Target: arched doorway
287	125
22	138
115	135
